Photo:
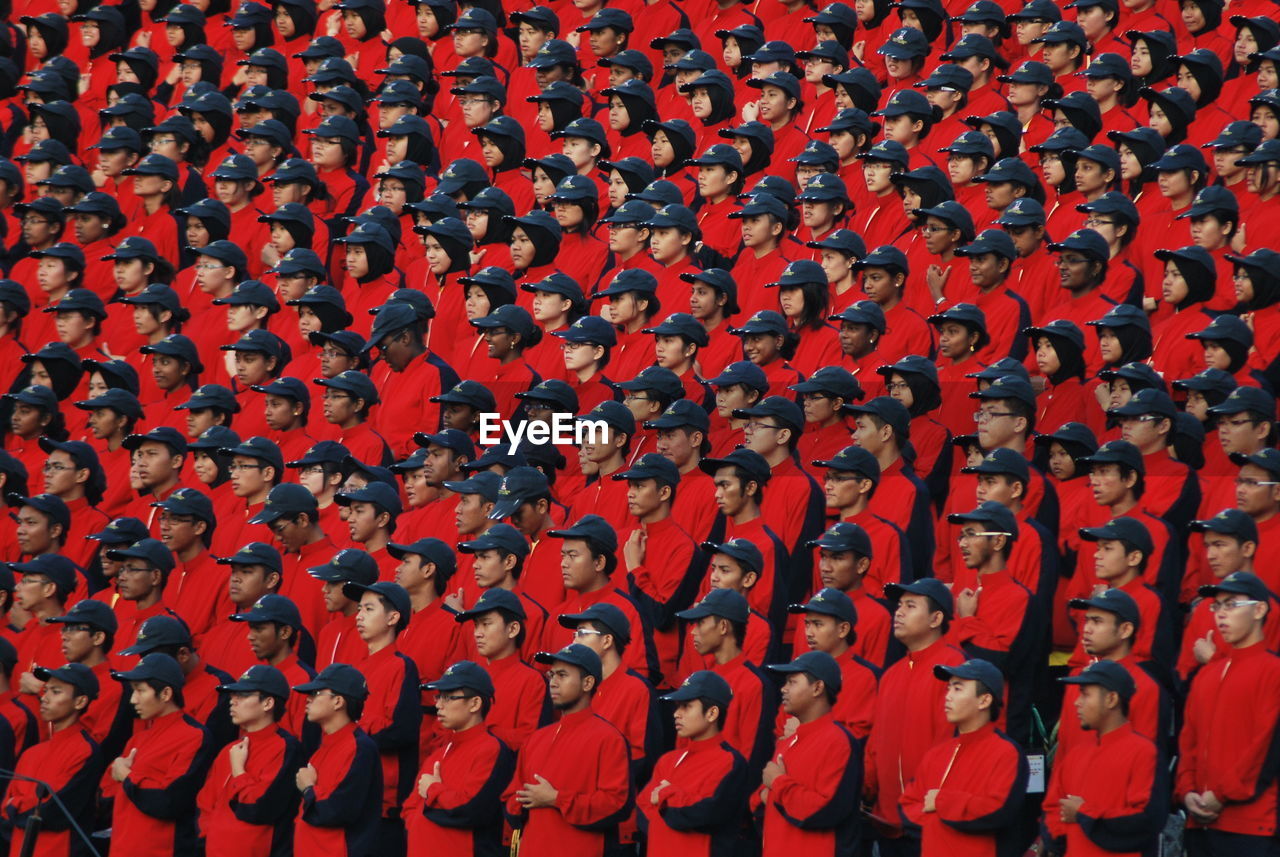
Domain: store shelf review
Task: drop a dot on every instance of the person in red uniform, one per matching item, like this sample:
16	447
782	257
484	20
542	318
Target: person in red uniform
248	802
371	519
602	456
88	631
909	717
144	572
572	784
338	641
341	785
70	762
968	790
1230	729
456	806
156	779
292	513
830	620
275	633
44	584
1106	795
195	591
255	570
809	798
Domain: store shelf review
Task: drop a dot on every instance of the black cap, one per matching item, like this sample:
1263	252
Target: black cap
259	678
974	669
1129	530
725	603
271	608
78	676
930	587
1239	583
828	602
703	684
466	675
1115	601
156	666
577	655
349	565
608	614
820	665
342	679
1107	674
159	632
592	528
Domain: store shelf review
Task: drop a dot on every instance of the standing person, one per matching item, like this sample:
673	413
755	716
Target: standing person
572	784
692	803
342	784
1229	728
809	799
456	806
968	790
248	802
162	768
1104	795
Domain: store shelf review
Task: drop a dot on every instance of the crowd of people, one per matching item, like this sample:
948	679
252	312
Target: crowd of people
918	361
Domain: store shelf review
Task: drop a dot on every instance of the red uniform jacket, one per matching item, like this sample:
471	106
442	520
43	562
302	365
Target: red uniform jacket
1228	734
339	815
392	718
696	812
252	815
462	814
405	403
587	761
154	810
813	807
981	779
71	763
666	582
520	703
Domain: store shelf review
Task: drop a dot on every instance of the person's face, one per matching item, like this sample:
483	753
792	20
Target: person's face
61	474
797	693
471	514
838	569
204	466
373	620
818	216
902	129
51	274
962	701
775	105
252	367
700	103
566	685
730	494
364	521
250	707
667	244
1267	75
1241	433
876	175
578	569
248	583
146	702
1257	491
1107	484
477	225
580	150
322	705
727	573
248	477
1094	20
154	463
265	640
178	532
1237	616
357	261
646	497
1058	56
912	618
1047	357
522	248
987	270
1143	431
78	641
761	348
1110	560
1245	44
1226	554
281	413
705	301
824	633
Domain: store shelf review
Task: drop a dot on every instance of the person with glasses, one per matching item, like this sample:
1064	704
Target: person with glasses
1231	715
187	522
456	805
341	785
256	466
292	513
88	637
648	395
998	619
1173	490
219	266
73	473
144	573
248	801
43	225
348	400
1257	496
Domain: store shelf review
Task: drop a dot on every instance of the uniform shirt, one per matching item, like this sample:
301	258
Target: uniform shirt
521	705
587	761
1116	775
405	403
71	763
392	718
154	809
697	811
902	499
197	592
664	583
1228	733
339	814
981	778
339	643
813	807
251	815
639	656
462	814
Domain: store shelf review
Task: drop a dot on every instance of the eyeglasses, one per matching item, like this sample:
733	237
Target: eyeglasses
1237	423
1228	606
209	266
969	535
988	416
134	569
451	698
754	426
55	467
897	387
1246	482
237	468
930	229
1071	260
33	220
833	476
587	632
75	628
1145	418
1091	222
313	470
632	397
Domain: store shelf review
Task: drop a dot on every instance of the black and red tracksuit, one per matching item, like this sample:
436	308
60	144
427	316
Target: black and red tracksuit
154	813
71	763
587	761
339	815
462	814
251	815
981	778
697	812
521	705
812	809
392	718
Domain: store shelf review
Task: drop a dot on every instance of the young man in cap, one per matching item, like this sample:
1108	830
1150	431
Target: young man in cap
341	785
43	588
498	556
811	784
371	520
740	479
524	497
44	522
736	565
991	257
248	802
1229	725
830	623
1102	795
662	560
392	712
1172	489
162	767
348	399
256	466
456	806
292	514
602	454
338	641
274	633
156	472
1256	496
909	716
447	452
997	619
844	557
417	375
476	497
717	630
195	591
682	431
572	783
498	629
588	560
69	763
256	570
88	634
1005	413
1109	625
692	803
850	481
971	785
431	640
141	579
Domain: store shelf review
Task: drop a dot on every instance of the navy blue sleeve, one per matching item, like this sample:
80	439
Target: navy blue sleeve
350	800
178	799
280	800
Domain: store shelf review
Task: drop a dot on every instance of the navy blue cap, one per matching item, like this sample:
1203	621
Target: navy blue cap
1007	387
576	654
1106	674
255	553
342	679
393	592
211	396
120	531
681	324
37	395
1117	452
844	537
494	598
887	409
257	447
703	684
765	321
271	608
741	372
467	392
614	414
78	676
991	513
463	675
747	460
1229	328
1124	529
818	664
724	603
995	241
1243	399
776	407
608	614
828	602
352	382
930	587
1114	601
431	549
682	413
905	43
285	500
1230	522
1239	583
350	565
188	501
450	438
853	459
1147	401
1085	241
1013	170
167	435
151	550
741	550
906	102
156	666
499	537
651	466
163	631
589	328
833	380
592	528
658	380
1004	462
378	493
259	678
91	612
974	669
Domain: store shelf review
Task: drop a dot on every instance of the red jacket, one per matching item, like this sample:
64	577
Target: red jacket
586	759
405	403
812	809
392	718
981	778
154	810
1228	734
1116	775
462	814
197	591
339	643
697	811
520	703
251	815
664	583
71	763
339	814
